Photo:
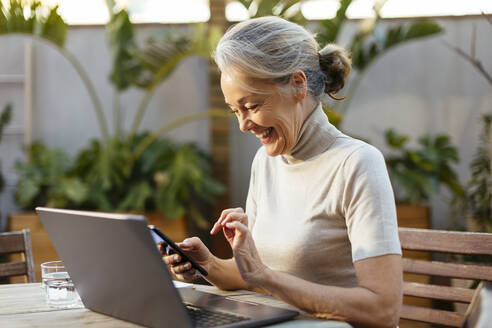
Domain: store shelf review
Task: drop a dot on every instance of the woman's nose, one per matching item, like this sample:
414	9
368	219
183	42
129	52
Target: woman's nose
244	122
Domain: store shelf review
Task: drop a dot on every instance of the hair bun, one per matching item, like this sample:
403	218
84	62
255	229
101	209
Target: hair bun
335	62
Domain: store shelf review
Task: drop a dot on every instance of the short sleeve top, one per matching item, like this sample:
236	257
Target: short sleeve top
329	203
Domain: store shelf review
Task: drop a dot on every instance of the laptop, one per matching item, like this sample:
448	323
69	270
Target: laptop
118	271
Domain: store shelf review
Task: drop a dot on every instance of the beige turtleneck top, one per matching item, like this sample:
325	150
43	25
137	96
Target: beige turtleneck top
327	204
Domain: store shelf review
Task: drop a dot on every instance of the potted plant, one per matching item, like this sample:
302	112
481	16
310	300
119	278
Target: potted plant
416	174
477	205
132	170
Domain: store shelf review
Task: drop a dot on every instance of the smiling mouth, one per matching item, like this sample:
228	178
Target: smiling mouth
264	135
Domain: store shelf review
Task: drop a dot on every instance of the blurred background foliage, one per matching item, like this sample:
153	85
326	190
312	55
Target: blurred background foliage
121	171
366	45
130	170
5	117
420	172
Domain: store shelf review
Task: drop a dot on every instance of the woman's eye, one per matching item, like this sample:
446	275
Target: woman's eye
232	110
253	107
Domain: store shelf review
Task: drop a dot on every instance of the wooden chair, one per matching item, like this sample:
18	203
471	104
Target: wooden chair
17	242
453	242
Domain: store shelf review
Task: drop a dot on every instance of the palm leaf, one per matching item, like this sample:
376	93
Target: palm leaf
5	118
287	9
126	70
364	53
39	21
45	24
162	54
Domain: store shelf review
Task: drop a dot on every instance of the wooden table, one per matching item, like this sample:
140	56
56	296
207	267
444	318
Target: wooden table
23	305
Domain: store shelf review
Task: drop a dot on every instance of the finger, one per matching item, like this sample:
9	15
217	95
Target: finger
237	215
218	224
172	259
233	216
182	268
189	276
190	243
240	217
238	230
215	229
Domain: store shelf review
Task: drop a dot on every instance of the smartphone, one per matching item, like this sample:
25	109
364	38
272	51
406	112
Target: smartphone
171	248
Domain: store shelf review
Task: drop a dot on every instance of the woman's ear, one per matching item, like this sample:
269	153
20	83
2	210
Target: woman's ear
298	82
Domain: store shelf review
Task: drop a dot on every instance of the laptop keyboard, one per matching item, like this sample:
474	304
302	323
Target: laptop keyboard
206	318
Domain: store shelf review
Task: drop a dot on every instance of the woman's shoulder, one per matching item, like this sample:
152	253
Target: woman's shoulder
358	153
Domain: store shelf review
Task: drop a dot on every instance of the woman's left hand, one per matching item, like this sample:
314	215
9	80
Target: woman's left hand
234	224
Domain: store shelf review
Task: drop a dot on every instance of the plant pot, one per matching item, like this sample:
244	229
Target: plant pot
413	216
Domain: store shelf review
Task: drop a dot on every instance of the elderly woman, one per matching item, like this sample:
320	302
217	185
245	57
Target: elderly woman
319	230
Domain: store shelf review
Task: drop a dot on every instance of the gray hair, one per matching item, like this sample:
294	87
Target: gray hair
272	49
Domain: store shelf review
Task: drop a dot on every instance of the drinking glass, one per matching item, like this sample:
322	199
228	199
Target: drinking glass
59	288
52	270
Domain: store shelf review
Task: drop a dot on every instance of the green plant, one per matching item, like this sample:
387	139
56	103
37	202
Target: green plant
367	45
133	66
419	173
43	180
171	178
117	172
478	201
288	9
5	117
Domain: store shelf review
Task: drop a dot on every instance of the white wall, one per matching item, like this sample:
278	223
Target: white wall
418	88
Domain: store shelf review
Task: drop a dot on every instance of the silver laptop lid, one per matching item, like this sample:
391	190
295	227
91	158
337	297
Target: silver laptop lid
127	280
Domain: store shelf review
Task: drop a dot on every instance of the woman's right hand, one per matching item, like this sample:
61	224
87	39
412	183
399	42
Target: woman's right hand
194	248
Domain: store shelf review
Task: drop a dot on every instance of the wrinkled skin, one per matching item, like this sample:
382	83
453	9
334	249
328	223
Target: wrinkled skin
257	112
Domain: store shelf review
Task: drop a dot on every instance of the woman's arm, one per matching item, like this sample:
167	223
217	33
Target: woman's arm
225	275
376	301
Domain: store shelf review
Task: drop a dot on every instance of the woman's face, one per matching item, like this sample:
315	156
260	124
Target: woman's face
273	118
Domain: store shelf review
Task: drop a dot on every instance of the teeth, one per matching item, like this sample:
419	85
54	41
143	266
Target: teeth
266	133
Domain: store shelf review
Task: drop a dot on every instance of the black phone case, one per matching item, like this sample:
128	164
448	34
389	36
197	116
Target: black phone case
178	250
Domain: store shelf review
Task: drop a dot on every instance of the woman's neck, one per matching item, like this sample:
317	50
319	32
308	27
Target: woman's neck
315	137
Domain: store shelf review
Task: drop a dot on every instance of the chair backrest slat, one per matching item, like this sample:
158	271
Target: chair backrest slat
31	275
17	242
13	269
439	317
446	241
455	294
450	270
453	242
12	242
